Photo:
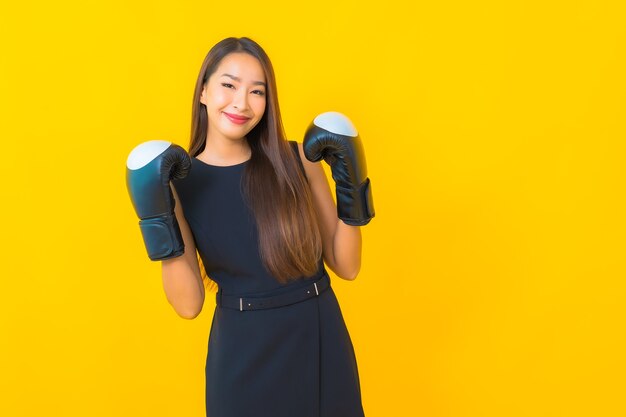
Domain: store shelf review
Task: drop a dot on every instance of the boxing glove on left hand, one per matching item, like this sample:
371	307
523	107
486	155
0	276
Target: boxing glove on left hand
332	137
149	168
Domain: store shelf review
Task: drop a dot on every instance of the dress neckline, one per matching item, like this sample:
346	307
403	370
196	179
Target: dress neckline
221	166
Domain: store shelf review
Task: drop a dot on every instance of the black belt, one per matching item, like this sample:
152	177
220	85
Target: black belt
258	303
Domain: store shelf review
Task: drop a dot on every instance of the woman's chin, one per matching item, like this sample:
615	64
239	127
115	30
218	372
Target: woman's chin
235	132
236	135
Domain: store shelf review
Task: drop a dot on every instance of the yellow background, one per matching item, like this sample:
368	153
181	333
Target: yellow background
493	273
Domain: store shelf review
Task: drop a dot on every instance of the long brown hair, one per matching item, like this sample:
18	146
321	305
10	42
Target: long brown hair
273	184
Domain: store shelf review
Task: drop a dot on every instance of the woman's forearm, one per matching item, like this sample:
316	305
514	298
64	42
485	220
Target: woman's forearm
183	286
347	245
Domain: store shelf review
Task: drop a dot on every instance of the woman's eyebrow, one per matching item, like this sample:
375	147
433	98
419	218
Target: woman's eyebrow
239	79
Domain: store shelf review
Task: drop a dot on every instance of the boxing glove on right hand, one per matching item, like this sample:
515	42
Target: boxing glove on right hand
149	168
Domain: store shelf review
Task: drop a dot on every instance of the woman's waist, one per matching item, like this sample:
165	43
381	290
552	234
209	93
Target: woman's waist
284	295
261	286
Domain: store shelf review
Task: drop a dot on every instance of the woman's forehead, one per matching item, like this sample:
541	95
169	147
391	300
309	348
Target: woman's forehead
241	67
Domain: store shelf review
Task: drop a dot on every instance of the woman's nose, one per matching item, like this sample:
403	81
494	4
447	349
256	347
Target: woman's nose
240	100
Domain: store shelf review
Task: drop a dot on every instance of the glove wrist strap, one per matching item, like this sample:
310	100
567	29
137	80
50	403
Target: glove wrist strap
162	237
355	205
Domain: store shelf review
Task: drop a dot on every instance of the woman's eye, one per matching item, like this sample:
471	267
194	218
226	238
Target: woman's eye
227	85
259	92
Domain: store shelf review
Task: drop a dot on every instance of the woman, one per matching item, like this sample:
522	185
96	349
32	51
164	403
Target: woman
262	219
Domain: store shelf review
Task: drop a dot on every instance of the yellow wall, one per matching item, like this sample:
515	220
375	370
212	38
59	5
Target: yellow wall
493	274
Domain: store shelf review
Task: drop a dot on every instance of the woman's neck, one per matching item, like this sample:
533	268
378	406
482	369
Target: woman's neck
226	151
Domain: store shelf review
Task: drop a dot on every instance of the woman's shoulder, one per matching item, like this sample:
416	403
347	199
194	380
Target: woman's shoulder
295	146
299	154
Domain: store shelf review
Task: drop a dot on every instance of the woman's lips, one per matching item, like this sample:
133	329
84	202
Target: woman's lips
239	120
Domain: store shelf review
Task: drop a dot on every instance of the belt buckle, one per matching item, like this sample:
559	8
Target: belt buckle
316	291
241	303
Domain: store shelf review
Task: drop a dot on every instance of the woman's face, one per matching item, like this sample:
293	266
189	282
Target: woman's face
234	96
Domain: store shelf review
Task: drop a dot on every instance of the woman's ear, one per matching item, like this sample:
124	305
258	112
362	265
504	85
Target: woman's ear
203	95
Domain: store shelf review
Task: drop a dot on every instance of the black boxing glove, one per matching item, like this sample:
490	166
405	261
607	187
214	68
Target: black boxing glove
332	137
149	168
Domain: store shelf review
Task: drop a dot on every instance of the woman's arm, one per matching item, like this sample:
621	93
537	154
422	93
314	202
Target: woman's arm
341	243
182	280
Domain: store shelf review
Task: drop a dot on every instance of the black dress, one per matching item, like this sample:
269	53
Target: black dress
295	360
